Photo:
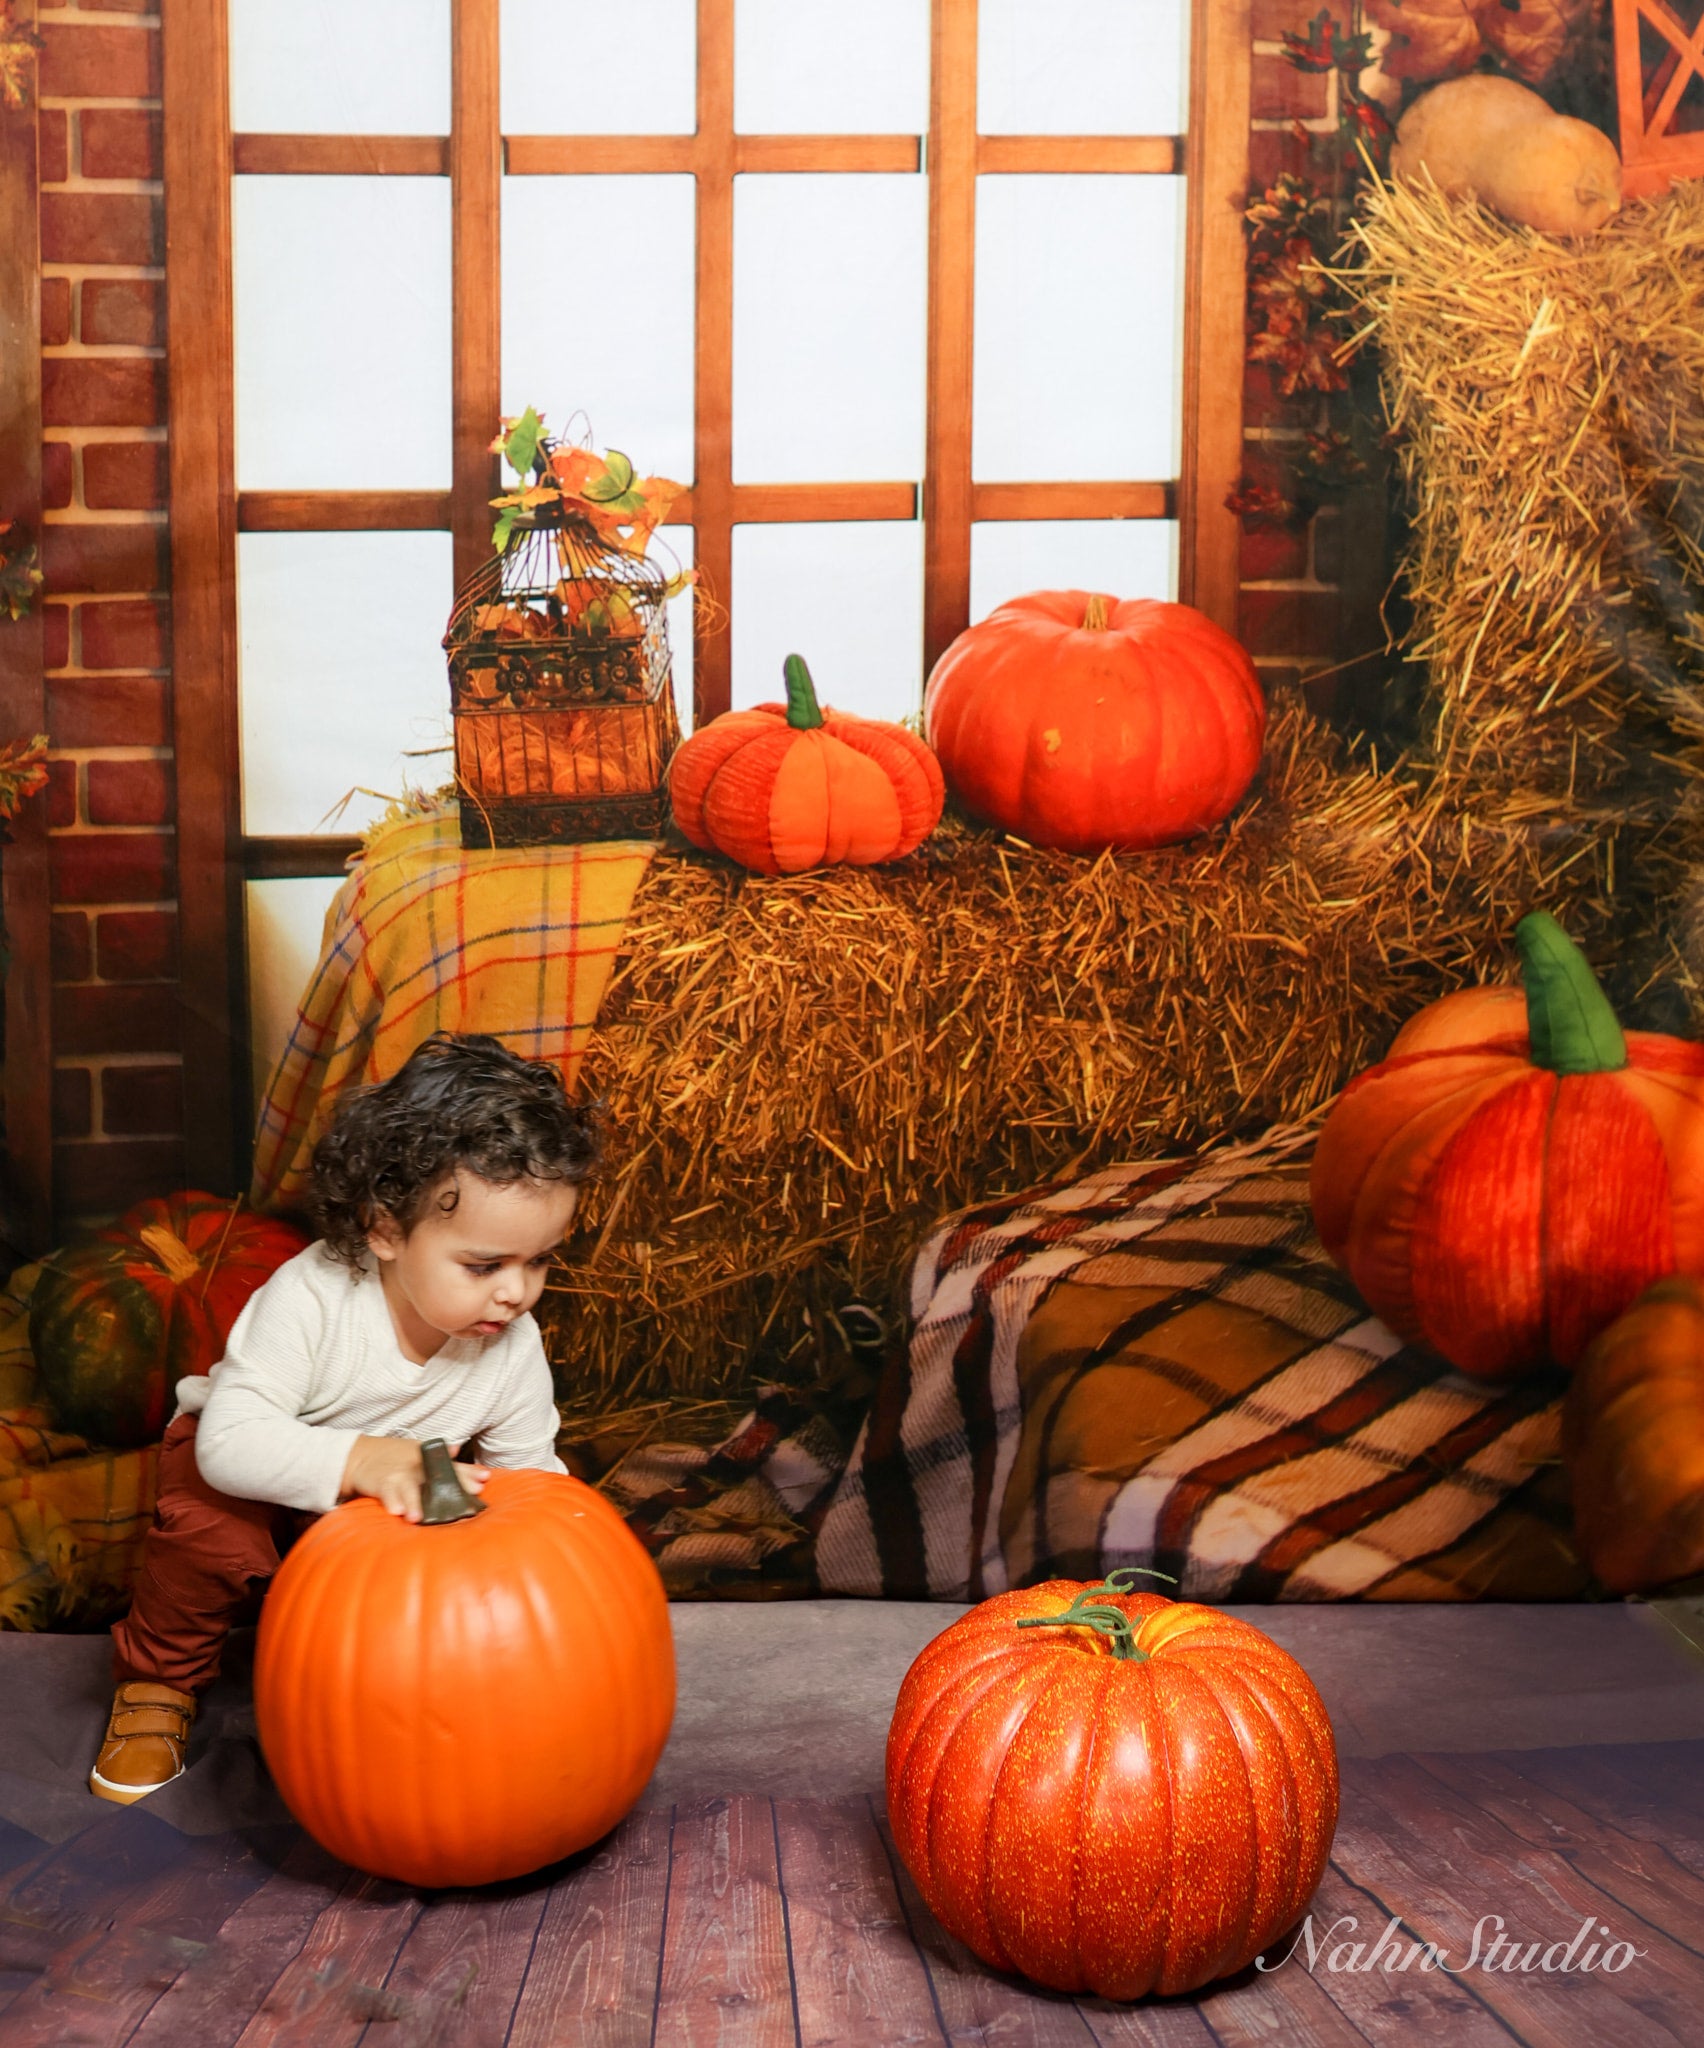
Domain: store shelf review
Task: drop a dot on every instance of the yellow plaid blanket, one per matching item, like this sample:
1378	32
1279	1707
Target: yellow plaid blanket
517	941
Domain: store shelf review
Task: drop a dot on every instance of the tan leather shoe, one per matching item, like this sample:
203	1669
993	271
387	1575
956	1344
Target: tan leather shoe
145	1738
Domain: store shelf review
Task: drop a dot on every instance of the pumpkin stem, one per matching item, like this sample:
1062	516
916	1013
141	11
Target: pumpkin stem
1094	618
174	1255
1572	1027
1108	1621
443	1498
803	710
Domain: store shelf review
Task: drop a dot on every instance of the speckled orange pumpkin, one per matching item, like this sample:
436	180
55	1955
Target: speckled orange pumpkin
1111	1791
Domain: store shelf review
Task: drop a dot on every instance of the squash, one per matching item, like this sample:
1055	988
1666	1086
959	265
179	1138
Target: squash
117	1321
1633	1439
1084	722
462	1699
1518	1170
785	787
1110	1791
1490	139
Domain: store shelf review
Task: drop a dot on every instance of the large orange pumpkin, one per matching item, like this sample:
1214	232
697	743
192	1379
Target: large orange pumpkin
1633	1436
1518	1169
117	1320
1083	721
1110	1791
785	787
454	1703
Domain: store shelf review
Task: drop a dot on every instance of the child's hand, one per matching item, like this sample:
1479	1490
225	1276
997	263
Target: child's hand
390	1470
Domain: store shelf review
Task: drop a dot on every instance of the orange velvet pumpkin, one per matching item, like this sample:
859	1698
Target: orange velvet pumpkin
785	787
1633	1436
454	1704
1110	1791
1518	1169
1084	722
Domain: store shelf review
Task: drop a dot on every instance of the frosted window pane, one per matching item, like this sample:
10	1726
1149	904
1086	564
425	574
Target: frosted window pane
340	673
342	310
849	598
822	67
285	920
829	326
1082	67
1078	312
340	67
1123	557
590	67
611	339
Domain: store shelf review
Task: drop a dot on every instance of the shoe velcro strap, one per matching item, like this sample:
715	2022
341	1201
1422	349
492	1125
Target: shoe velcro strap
150	1720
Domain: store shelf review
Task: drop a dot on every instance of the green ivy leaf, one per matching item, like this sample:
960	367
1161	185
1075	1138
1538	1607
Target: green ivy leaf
616	481
521	448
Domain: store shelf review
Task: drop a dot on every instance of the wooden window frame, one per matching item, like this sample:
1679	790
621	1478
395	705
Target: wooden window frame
216	858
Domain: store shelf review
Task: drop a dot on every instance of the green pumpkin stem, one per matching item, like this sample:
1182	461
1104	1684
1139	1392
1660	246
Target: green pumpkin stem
803	710
443	1498
1111	1622
1569	1020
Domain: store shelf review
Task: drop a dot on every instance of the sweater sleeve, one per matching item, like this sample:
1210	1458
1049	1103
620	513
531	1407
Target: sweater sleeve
520	1435
250	1441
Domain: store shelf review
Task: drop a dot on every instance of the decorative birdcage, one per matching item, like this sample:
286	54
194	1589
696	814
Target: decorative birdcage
560	687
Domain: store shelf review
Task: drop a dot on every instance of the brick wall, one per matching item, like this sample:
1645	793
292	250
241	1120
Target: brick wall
117	1082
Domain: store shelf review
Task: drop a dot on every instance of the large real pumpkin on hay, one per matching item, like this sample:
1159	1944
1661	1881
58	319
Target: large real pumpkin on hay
1110	1791
117	1321
1082	721
1518	1170
463	1699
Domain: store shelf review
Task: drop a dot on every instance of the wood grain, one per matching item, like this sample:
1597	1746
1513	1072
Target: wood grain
559	156
343	511
25	906
713	361
837	153
826	502
342	156
476	277
331	1988
460	1971
592	1977
726	1981
1126	155
1073	501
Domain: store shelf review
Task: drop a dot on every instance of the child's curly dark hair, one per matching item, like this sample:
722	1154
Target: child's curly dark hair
459	1100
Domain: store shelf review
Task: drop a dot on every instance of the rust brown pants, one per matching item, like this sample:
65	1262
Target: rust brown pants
205	1563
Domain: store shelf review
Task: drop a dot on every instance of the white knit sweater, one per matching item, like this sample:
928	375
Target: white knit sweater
313	1362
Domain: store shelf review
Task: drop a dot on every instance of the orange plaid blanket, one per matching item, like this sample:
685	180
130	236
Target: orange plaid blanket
517	941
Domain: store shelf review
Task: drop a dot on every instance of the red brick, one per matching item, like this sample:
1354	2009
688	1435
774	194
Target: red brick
58	477
103	391
113	867
126	312
130	792
53	146
1280	92
124	476
55	311
1274	150
102	227
141	1101
93	1019
137	945
97	1179
1272	17
134	634
72	1102
55	635
109	711
73	946
1287	622
1328	540
120	142
61	795
1269	554
99	63
86	556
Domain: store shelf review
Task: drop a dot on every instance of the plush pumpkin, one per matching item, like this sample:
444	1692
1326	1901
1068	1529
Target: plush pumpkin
785	787
460	1700
118	1320
1633	1438
1518	1169
1490	139
1110	1791
1083	721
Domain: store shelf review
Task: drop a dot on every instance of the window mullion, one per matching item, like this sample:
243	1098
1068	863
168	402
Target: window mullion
952	288
713	364
476	163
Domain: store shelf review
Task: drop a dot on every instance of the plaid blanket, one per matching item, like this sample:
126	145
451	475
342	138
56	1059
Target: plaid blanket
423	937
1158	1366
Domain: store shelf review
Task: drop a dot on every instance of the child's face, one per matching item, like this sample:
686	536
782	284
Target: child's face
471	1271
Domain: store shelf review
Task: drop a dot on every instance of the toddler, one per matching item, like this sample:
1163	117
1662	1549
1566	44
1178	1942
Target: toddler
440	1195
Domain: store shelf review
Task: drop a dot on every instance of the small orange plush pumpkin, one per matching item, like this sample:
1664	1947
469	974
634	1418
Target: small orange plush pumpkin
785	787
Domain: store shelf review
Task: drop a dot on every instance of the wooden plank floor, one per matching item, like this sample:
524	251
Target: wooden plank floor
759	1923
